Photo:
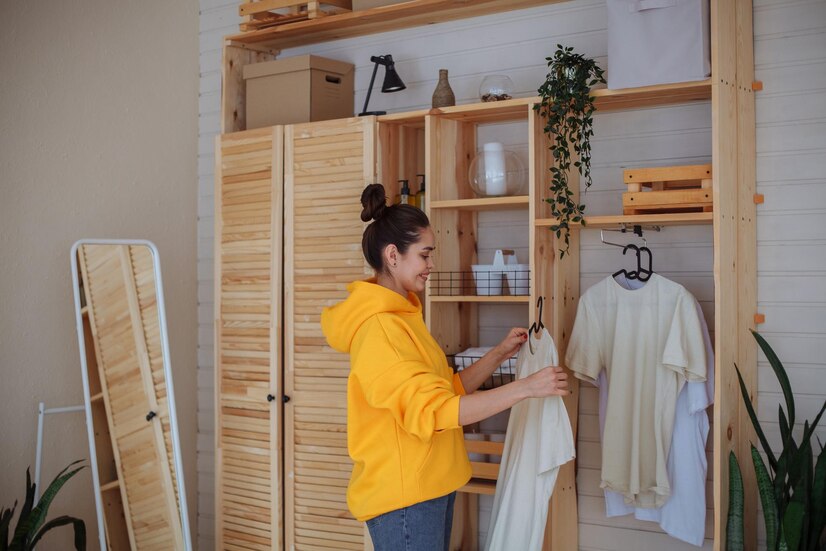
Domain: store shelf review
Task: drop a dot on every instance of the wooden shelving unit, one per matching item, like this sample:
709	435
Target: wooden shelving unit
402	152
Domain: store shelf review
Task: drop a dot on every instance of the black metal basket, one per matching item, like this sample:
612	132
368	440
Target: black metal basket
503	375
484	283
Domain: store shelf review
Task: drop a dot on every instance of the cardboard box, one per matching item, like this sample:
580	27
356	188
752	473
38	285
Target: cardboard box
657	42
298	89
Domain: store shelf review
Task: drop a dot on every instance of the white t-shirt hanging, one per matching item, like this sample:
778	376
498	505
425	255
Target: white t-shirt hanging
538	441
683	516
649	342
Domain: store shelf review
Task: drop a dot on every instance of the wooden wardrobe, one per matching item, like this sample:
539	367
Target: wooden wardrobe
288	241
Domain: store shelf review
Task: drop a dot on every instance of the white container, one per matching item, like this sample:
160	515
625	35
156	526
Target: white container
488	279
657	42
519	278
495	175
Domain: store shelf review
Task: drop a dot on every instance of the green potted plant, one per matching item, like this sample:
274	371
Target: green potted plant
793	489
32	525
567	106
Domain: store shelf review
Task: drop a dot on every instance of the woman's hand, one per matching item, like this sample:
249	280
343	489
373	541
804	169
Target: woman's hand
511	343
549	381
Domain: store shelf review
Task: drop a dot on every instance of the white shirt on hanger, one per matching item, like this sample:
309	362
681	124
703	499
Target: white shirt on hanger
683	516
538	441
649	342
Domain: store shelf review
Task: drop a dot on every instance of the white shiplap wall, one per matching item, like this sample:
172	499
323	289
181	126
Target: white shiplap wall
790	57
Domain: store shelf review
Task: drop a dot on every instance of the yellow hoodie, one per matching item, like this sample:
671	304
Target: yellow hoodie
403	431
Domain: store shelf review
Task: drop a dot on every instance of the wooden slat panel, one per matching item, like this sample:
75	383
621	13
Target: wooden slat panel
327	166
124	321
248	225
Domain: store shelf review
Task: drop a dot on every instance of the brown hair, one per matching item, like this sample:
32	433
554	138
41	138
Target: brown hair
400	225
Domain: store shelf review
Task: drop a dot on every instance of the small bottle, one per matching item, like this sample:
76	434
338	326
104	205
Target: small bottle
421	193
404	194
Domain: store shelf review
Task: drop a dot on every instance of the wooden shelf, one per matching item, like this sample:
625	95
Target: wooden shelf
650	96
97	397
484	203
611	221
490	299
375	20
478	486
114	485
519	108
84	311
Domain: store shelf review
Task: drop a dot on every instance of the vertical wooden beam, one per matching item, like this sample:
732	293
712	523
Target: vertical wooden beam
734	250
557	280
746	255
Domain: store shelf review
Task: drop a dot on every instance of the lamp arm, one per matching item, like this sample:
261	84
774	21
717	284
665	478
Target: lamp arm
370	88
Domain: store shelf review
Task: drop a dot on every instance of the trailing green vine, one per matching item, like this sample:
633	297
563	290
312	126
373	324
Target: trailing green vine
568	107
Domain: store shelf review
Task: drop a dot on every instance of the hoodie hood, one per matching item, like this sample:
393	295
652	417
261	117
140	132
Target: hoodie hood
341	322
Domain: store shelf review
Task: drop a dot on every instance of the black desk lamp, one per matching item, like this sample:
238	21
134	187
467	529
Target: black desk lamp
392	81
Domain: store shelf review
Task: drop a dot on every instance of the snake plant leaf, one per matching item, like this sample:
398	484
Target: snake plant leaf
808	431
753	416
5	520
25	528
793	525
78	525
764	486
780	373
818	522
29	502
785	429
734	523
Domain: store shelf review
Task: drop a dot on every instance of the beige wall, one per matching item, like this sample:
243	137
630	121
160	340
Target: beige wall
98	138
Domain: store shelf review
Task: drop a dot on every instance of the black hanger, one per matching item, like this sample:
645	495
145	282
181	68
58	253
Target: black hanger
632	274
537	326
644	274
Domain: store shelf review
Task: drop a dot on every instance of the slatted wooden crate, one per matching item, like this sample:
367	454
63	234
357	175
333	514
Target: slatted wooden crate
269	13
667	189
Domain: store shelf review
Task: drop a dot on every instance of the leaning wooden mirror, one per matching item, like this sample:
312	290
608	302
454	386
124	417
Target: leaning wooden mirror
127	384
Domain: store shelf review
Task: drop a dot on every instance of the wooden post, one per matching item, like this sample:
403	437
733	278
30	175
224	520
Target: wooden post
734	251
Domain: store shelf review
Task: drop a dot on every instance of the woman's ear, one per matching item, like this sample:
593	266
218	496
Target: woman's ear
391	256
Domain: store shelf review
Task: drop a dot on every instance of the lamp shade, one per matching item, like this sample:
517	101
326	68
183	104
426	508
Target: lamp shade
392	80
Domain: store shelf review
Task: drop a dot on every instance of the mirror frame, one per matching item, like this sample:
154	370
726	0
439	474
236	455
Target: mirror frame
167	363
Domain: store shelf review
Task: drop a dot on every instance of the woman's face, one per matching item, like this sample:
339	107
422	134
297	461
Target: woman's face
413	267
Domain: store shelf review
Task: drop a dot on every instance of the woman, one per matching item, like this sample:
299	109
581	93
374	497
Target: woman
405	407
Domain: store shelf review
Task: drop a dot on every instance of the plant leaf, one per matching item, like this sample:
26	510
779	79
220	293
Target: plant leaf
818	519
780	372
734	523
793	524
764	485
5	519
79	529
26	529
753	416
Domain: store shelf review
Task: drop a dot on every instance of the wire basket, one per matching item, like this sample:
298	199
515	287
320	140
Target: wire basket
504	374
480	282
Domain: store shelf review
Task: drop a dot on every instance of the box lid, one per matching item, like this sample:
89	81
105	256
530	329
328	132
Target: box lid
297	63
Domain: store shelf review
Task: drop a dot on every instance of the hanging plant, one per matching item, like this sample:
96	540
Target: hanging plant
567	106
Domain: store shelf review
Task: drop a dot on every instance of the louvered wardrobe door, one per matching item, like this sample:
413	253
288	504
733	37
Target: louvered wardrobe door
123	317
248	215
327	166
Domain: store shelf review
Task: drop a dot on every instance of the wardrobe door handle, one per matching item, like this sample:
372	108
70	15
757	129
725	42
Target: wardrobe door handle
270	397
286	398
150	415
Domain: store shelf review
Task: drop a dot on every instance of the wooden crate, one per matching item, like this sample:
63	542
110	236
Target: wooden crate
667	189
269	13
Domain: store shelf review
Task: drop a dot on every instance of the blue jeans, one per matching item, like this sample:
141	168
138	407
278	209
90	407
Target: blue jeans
421	527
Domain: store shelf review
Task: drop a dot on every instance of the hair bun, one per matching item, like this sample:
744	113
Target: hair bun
374	201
